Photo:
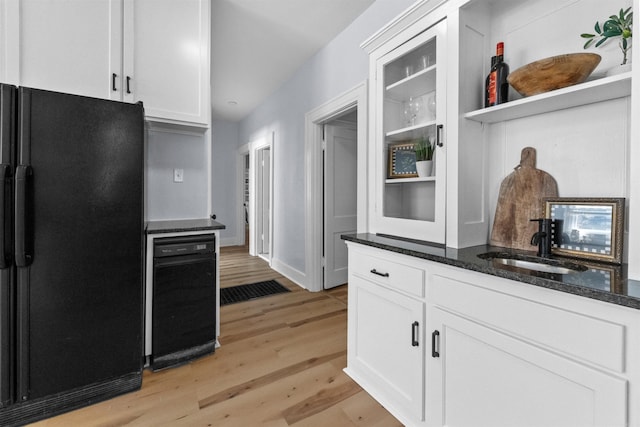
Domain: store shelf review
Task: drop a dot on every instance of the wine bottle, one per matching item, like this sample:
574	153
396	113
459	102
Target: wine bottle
498	85
487	82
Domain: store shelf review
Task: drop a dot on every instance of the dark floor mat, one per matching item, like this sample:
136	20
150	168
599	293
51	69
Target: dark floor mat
251	291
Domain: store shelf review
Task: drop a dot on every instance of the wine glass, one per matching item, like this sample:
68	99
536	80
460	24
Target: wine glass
417	107
431	105
407	110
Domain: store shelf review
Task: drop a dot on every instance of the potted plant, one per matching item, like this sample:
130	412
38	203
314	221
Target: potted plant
616	26
424	157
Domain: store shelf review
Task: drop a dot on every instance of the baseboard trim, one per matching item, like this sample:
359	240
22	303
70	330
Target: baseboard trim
289	272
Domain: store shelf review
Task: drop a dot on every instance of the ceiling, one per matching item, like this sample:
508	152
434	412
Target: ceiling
257	45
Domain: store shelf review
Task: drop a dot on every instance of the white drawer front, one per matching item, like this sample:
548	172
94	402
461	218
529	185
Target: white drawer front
392	271
577	335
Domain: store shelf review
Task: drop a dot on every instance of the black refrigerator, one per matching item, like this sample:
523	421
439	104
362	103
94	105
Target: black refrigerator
71	251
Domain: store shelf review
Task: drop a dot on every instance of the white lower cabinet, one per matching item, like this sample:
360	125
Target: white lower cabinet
490	351
484	377
386	348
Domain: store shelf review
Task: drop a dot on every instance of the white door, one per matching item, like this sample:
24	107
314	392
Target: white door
340	199
263	200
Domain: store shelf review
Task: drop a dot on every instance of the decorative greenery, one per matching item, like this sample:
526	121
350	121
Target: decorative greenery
616	26
424	149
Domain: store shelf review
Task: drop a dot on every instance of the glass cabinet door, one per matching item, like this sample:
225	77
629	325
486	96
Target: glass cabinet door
410	93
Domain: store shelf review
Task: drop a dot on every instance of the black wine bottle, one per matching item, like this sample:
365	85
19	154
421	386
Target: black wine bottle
487	82
498	85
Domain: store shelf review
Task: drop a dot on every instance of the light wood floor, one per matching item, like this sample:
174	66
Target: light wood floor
280	364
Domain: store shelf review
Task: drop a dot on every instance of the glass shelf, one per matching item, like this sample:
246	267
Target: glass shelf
409	180
410	132
603	89
416	83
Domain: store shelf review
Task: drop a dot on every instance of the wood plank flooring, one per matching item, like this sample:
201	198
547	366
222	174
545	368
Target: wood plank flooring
280	364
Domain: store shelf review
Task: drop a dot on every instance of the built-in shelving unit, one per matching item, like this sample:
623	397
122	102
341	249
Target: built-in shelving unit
603	89
410	106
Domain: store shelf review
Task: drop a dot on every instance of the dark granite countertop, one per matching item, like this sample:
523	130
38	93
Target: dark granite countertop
601	281
180	225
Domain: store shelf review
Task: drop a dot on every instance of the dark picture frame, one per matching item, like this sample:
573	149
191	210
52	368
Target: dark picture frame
591	228
402	160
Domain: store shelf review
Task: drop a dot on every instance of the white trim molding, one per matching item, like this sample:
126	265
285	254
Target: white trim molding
314	120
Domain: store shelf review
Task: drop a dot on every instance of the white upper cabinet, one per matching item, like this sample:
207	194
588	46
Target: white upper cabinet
154	51
408	104
166	51
67	46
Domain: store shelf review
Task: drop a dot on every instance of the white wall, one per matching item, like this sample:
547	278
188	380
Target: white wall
176	149
223	160
338	67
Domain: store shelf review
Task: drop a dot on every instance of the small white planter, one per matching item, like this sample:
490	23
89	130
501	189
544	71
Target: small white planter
424	168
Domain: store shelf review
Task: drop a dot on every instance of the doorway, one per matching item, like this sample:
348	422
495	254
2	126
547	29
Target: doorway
348	107
263	202
340	194
255	213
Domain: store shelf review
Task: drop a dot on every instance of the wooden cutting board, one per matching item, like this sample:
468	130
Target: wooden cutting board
520	200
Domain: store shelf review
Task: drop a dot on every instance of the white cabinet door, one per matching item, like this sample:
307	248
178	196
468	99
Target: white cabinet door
408	106
386	346
167	58
69	46
483	377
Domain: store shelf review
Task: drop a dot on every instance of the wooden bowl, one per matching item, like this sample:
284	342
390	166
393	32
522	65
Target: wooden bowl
553	73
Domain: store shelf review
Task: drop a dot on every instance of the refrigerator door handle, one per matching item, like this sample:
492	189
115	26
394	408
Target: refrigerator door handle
5	217
24	220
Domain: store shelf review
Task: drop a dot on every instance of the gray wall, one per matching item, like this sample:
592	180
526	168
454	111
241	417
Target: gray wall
169	149
224	160
337	68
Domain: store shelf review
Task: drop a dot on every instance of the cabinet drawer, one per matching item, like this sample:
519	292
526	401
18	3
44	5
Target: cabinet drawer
578	335
392	271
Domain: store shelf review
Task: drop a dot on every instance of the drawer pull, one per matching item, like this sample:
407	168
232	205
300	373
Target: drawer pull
377	273
435	341
414	334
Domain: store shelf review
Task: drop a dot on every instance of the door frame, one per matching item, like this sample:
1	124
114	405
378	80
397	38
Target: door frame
314	200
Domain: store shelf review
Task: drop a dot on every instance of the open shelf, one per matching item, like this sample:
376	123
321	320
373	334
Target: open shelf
589	92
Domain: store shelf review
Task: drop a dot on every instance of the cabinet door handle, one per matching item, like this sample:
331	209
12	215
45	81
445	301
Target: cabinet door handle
415	328
5	238
439	142
377	273
128	86
435	335
114	76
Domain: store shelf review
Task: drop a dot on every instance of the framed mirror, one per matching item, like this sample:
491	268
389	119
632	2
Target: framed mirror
587	227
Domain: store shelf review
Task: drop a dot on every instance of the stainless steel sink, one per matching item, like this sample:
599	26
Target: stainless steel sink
544	265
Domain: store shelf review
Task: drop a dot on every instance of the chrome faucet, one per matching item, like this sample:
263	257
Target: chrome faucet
543	237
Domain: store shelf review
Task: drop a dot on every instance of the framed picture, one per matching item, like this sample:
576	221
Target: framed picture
587	227
402	160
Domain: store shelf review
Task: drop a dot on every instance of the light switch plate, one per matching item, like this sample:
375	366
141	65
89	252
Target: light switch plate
178	175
